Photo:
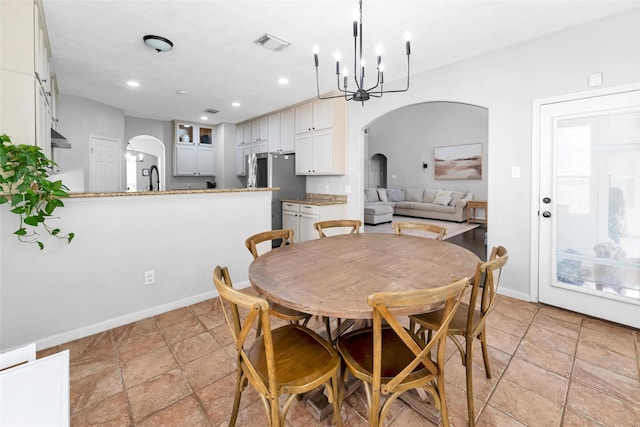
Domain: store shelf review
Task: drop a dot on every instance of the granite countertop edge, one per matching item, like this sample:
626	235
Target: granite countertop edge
316	202
169	192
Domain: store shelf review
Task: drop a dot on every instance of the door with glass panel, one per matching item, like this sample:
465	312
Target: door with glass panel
589	207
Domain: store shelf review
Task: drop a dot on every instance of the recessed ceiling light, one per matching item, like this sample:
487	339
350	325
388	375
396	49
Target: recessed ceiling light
181	92
133	84
204	118
235	104
283	80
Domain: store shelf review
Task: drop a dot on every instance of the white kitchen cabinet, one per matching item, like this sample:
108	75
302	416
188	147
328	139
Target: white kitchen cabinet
320	137
287	131
25	76
290	220
320	114
301	217
194	153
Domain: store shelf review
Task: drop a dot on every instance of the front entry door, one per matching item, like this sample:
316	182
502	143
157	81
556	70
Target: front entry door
589	207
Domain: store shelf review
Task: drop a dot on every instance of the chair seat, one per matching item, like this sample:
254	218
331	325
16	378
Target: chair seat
458	324
356	348
300	355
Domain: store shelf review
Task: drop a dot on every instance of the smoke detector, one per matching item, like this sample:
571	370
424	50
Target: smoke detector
271	42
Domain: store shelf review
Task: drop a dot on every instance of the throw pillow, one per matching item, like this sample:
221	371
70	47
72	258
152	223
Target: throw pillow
442	200
372	194
429	195
382	194
395	195
457	195
443	193
413	194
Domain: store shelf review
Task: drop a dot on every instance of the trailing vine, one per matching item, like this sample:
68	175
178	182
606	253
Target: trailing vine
25	185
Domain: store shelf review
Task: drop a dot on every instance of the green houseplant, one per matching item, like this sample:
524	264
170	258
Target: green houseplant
25	185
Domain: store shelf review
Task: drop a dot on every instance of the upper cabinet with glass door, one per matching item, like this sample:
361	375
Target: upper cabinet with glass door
194	149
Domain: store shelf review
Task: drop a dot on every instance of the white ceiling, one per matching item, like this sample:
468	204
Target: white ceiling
97	46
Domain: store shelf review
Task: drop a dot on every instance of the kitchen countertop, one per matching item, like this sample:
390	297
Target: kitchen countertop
171	192
320	199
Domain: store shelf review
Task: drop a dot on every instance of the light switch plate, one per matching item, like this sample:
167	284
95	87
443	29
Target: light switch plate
515	171
595	79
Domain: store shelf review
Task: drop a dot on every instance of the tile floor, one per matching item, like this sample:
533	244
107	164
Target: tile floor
550	368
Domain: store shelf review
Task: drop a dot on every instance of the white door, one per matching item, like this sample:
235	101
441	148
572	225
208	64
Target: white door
105	162
589	207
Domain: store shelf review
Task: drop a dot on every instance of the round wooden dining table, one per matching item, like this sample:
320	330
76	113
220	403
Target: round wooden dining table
334	276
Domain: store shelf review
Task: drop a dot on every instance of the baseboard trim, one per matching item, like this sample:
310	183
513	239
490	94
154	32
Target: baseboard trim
115	322
516	294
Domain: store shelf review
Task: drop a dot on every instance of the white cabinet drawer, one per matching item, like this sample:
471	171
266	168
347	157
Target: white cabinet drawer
310	209
291	207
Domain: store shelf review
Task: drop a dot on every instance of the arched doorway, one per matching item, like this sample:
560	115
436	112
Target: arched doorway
378	171
147	154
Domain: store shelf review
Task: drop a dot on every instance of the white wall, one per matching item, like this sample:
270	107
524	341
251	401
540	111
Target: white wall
78	119
407	137
95	283
506	82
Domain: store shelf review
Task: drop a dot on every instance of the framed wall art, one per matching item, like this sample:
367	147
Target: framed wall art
458	161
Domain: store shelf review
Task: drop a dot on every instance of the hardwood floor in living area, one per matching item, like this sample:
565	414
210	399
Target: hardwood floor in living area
550	367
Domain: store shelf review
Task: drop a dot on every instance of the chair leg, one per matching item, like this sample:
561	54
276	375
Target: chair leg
236	400
485	353
337	398
469	374
444	410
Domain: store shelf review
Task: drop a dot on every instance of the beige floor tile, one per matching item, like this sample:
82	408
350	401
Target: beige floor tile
209	368
525	406
205	306
519	310
133	331
492	417
143	368
217	398
595	405
565	316
562	327
613	337
538	380
89	390
185	412
499	321
606	380
157	393
608	359
503	341
572	418
456	374
170	318
182	330
555	361
194	347
110	412
550	339
141	346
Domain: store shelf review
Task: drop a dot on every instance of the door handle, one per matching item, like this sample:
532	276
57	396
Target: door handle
546	200
546	214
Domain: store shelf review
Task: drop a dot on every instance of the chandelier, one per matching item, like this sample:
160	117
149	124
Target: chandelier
360	93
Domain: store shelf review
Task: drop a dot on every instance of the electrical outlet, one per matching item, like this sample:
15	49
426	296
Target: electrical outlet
149	277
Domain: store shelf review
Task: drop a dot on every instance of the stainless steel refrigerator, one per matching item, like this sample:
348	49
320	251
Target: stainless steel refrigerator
278	170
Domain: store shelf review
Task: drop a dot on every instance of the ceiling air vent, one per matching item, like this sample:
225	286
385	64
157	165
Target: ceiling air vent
211	111
271	42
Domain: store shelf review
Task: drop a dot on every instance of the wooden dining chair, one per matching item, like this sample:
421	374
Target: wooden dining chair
353	224
286	238
390	359
286	361
469	321
420	226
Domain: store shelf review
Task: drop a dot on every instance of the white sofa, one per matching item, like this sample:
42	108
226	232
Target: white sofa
380	204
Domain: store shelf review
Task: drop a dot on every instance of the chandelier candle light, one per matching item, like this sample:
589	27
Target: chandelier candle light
360	94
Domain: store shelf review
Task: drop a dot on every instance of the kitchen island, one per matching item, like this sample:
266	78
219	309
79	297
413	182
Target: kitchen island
97	282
